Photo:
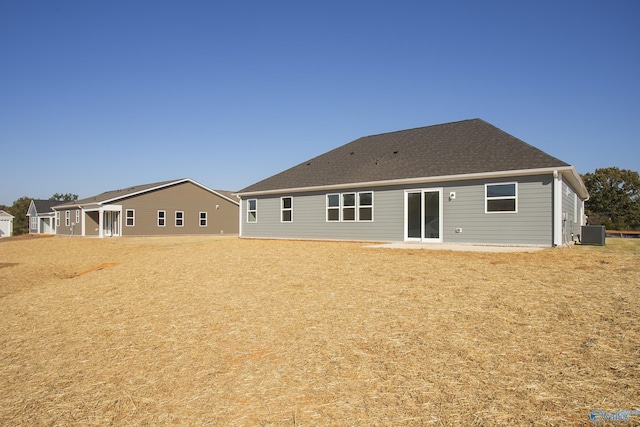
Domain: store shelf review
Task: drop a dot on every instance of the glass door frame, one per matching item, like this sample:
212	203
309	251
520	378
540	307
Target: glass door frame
422	192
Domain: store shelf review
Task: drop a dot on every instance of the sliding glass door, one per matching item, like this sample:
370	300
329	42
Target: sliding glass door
423	212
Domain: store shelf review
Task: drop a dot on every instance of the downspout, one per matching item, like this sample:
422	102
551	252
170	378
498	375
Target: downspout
557	209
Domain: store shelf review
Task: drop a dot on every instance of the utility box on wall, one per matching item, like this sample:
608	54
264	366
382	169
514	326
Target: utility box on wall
592	235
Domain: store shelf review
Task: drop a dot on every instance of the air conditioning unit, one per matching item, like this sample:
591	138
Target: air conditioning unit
592	235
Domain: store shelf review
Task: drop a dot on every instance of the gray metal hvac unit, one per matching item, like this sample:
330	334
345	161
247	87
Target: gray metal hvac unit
592	235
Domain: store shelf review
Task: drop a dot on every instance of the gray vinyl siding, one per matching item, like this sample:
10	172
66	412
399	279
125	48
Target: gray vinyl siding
531	225
33	213
571	213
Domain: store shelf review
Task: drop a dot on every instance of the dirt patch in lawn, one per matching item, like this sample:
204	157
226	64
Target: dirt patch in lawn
221	331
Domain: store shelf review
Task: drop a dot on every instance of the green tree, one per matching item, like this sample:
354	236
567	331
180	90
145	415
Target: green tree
68	197
19	211
614	198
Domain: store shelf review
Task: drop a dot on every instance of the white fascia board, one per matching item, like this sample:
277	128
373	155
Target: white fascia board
411	181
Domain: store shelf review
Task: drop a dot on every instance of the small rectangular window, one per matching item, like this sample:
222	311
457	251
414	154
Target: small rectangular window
333	207
78	216
287	209
203	219
130	217
501	197
252	210
57	218
365	206
67	218
162	216
179	218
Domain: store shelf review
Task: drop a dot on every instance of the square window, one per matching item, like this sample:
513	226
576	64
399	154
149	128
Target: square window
501	197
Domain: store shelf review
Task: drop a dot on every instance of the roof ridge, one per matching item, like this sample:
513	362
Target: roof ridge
422	127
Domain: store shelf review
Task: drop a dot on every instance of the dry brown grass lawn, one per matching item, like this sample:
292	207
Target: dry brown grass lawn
221	331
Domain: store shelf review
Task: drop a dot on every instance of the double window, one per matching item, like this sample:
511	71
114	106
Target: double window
67	218
203	219
501	197
162	217
350	206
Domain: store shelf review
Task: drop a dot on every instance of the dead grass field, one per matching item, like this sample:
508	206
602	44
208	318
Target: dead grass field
221	331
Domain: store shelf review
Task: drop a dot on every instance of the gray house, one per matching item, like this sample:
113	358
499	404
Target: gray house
178	207
461	182
41	216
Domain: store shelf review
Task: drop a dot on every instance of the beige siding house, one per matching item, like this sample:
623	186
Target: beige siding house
178	207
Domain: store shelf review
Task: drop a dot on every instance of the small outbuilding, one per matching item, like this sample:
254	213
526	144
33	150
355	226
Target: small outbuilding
460	182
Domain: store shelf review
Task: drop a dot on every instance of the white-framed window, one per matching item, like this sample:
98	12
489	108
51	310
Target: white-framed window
365	206
78	216
179	218
57	218
162	218
203	219
252	210
333	207
502	197
286	207
67	218
130	217
33	223
349	207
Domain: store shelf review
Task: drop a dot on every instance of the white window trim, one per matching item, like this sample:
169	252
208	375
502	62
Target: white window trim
338	208
164	218
365	206
354	206
67	218
200	218
126	217
283	209
78	216
57	218
487	198
255	211
179	219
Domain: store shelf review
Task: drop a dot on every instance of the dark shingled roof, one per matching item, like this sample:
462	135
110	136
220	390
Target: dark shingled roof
458	148
120	194
44	206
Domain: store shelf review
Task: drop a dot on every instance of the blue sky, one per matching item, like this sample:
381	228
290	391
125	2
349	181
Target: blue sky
101	95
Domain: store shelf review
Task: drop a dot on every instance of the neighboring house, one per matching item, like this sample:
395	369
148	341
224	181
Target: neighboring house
461	182
6	224
179	207
42	217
